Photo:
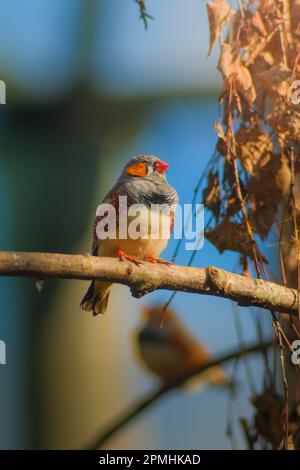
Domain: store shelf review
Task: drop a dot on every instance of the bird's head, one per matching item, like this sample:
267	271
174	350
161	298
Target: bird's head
157	324
146	167
155	316
144	181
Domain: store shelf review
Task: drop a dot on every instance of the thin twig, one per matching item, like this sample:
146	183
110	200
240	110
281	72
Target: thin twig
144	403
281	34
245	217
195	195
231	407
143	13
190	262
241	340
286	389
259	329
295	221
247	434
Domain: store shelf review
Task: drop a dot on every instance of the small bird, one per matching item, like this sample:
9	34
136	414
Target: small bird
143	181
170	351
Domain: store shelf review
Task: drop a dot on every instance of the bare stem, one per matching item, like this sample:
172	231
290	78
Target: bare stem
148	277
245	217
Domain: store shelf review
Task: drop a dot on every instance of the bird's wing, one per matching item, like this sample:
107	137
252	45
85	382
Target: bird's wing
111	198
172	218
189	346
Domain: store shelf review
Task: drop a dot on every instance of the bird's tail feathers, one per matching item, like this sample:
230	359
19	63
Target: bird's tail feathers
96	298
218	378
214	376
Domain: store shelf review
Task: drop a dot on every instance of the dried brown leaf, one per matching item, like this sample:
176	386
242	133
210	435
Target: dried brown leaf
211	194
229	61
219	129
284	12
268	418
221	143
276	81
268	190
263	218
252	144
258	23
285	120
230	236
284	116
218	12
261	64
232	68
245	84
228	176
295	17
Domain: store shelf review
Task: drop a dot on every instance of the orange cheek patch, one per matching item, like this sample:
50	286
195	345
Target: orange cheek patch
139	169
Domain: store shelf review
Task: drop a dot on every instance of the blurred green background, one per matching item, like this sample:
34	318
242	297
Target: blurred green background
87	87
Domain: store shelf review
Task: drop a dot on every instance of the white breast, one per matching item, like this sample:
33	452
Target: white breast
148	233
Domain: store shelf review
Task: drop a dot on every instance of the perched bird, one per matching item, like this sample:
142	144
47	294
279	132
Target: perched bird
170	351
143	182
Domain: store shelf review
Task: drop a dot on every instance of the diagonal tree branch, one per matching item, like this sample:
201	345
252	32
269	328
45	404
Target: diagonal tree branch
151	398
148	277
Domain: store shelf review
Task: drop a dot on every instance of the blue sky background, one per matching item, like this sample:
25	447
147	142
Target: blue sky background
40	44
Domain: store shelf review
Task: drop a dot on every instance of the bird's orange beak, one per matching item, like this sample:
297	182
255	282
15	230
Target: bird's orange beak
161	166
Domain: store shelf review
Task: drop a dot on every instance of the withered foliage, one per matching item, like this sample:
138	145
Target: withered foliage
253	187
231	236
268	418
260	123
265	429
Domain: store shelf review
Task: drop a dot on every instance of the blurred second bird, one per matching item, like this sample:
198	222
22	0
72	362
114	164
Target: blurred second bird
170	351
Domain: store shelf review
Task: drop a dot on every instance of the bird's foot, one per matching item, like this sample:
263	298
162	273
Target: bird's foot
123	256
153	259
